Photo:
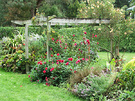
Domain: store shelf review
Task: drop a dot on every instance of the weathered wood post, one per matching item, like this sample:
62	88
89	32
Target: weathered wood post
48	37
26	47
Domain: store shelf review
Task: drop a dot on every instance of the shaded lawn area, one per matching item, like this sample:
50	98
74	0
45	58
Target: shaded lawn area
17	87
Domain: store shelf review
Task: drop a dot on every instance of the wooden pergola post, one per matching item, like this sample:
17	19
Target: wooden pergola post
48	37
26	46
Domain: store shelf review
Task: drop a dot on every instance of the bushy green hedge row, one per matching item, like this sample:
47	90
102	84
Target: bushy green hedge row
11	31
126	45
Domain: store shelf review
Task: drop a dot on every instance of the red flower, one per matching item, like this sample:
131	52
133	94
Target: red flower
37	80
97	42
50	48
58	54
91	67
70	59
75	44
44	62
21	86
44	57
62	61
44	71
52	69
85	32
67	63
52	39
71	69
76	62
95	35
88	42
51	55
65	48
74	71
29	76
53	78
73	35
23	43
79	49
46	68
47	84
40	62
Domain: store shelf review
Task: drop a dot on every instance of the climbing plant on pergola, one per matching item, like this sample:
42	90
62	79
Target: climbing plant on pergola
51	21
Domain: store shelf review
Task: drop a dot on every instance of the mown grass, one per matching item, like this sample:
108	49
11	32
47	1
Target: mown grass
104	56
17	87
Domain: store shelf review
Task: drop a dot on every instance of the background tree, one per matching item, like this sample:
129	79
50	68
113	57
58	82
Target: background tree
121	3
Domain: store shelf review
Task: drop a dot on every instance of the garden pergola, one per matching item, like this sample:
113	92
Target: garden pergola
51	22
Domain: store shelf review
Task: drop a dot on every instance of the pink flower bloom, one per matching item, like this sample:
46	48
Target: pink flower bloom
47	84
65	43
71	69
21	86
50	48
67	63
95	35
97	42
46	68
65	48
73	35
52	69
44	71
29	76
73	40
58	54
44	62
60	46
37	80
87	59
44	57
51	55
52	39
57	62
83	58
75	44
62	36
53	78
52	62
81	43
85	32
91	67
24	44
76	62
36	68
46	79
79	49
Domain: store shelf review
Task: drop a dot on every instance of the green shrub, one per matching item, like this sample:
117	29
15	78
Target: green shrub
127	95
52	72
12	31
16	62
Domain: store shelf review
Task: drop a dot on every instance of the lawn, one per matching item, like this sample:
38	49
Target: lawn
17	87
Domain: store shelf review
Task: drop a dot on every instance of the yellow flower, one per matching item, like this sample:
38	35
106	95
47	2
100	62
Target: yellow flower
53	31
